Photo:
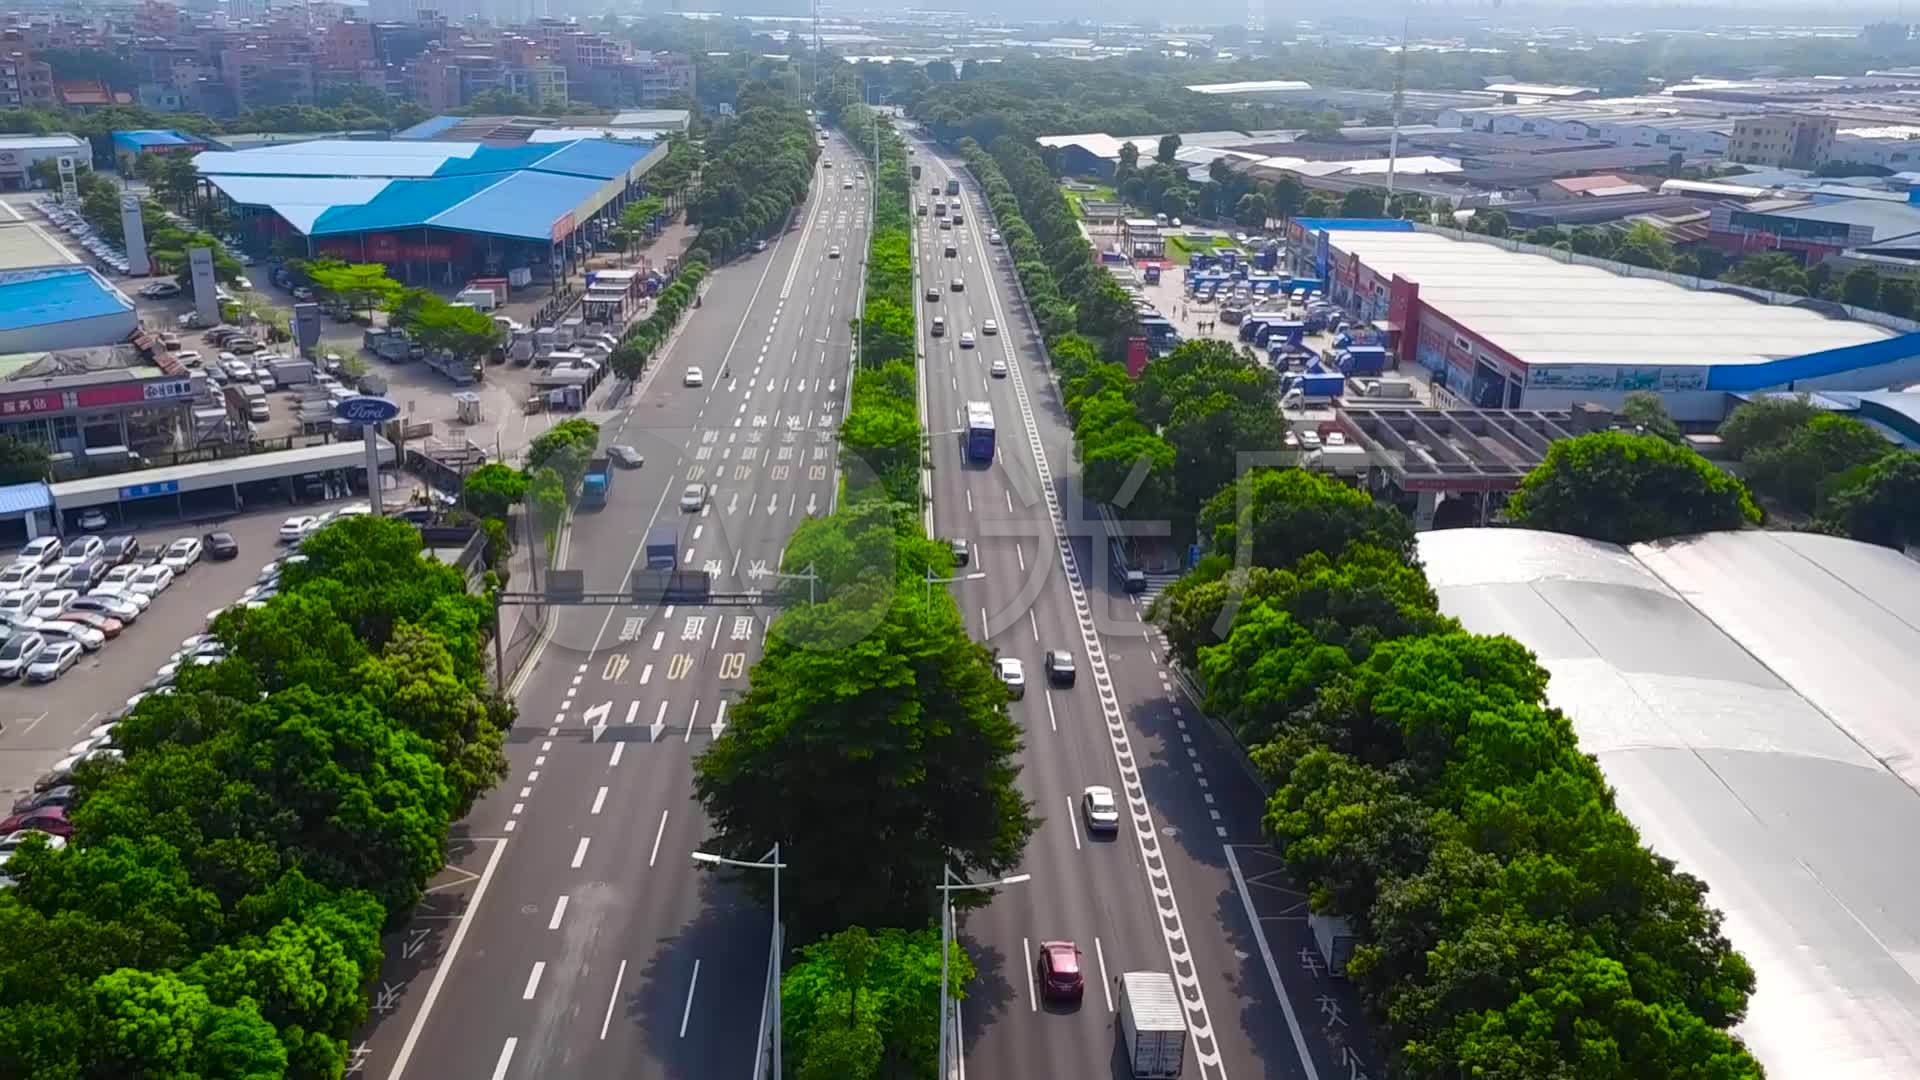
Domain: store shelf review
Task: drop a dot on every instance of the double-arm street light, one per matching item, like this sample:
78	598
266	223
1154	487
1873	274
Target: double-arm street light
932	581
771	862
948	887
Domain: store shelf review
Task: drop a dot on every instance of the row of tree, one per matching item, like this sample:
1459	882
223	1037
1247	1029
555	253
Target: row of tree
219	909
756	169
1509	921
1834	471
881	435
429	319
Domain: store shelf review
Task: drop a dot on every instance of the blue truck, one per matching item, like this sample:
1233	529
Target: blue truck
1363	360
598	482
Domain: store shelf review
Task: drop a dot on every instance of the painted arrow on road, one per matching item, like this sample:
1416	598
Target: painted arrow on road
596	718
813	502
720	720
733	503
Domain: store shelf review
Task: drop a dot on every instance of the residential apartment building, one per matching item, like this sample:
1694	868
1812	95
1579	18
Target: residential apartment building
443	79
1783	140
25	83
268	69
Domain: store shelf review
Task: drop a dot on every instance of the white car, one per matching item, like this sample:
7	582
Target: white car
990	327
54	661
695	377
693	498
151	580
61	630
119	576
19	651
999	369
49	577
17	576
966	340
124	594
1014	674
80	549
18	605
181	554
40	552
66	764
1098	807
993	238
111	604
295	529
93	519
54	604
833	252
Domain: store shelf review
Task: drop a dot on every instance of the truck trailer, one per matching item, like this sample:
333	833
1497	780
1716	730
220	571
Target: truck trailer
663	547
1152	1025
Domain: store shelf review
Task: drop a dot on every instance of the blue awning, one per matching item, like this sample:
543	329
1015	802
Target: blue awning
23	498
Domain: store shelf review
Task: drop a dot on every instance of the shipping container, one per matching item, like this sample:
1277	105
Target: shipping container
1153	1027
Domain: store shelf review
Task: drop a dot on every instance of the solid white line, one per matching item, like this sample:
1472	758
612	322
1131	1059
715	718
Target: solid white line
1273	970
1073	814
617	747
687	1014
657	834
499	1067
1106	985
1026	954
1022	556
580	853
559	912
1055	725
533	980
613	1000
440	971
599	800
1034	623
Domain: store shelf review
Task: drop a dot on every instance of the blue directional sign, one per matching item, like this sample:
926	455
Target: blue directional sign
366	410
148	491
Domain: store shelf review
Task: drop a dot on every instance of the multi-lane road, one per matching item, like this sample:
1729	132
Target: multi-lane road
593	947
1164	895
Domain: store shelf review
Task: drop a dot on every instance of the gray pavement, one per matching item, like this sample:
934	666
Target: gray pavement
1160	897
585	944
42	721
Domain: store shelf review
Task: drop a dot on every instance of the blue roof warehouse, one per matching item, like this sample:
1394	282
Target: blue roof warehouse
436	211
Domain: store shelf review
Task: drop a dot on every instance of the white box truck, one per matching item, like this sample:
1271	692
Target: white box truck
1152	1024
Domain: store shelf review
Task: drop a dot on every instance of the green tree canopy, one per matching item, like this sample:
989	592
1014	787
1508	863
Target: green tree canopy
1281	515
1625	488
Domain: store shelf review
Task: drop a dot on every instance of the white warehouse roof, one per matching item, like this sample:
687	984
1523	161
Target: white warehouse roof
1543	310
1749	697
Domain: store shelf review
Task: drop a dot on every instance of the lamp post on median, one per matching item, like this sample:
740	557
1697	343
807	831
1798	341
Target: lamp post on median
947	887
771	862
932	581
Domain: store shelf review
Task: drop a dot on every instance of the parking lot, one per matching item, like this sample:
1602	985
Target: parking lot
38	722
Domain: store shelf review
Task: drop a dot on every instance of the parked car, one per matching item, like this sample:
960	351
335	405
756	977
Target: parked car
108	626
52	663
52	604
15	606
59	796
19	651
17	576
108	605
85	575
220	545
80	549
296	528
120	549
55	630
181	555
152	580
92	519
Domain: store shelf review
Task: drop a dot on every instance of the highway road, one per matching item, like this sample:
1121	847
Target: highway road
594	947
1163	894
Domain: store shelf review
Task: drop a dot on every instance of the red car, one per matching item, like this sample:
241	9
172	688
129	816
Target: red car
1059	971
46	819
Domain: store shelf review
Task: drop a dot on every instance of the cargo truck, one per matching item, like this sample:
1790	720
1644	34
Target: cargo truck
916	172
598	483
953	186
1152	1025
663	547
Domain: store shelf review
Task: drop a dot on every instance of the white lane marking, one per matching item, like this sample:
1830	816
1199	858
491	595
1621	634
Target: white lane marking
1273	970
969	500
1055	725
687	1014
599	800
634	708
580	853
559	912
1034	623
440	975
533	980
617	747
613	999
659	719
1026	957
658	637
1106	984
500	1066
1073	815
691	717
1022	556
657	834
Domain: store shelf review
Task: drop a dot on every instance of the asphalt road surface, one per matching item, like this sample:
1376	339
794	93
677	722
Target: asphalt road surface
594	948
1160	896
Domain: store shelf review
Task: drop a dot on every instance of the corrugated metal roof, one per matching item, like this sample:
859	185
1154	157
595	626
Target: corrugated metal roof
1748	697
428	128
34	298
403	204
596	158
299	199
525	205
22	498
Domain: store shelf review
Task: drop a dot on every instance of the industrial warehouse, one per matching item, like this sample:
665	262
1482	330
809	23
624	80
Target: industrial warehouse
436	212
1500	324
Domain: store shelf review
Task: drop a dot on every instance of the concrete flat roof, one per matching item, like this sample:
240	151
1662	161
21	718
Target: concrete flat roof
1545	311
26	244
203	475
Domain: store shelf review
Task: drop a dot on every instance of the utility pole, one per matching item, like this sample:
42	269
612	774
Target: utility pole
1399	98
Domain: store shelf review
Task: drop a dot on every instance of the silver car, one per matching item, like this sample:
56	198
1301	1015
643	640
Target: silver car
19	652
693	498
53	662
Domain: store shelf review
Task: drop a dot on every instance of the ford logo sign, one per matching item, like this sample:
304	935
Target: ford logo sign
366	410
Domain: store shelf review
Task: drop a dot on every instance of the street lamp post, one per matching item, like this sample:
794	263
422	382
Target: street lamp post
932	581
771	862
948	886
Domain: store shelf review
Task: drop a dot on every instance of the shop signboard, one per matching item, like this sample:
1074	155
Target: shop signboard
1570	377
